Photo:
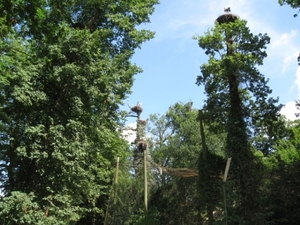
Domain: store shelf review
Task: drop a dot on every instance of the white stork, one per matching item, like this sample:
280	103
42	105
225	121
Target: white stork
227	10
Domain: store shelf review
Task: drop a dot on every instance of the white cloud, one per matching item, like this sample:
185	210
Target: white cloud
284	39
289	111
298	80
129	133
175	22
183	18
290	59
284	49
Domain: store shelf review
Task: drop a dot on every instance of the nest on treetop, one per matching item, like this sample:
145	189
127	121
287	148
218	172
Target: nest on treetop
227	18
137	109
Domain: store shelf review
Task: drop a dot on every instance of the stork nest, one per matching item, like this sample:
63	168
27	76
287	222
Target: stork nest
142	146
137	109
227	18
143	122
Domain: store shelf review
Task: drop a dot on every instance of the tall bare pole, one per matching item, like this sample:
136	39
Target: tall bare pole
116	180
204	153
141	146
113	189
204	150
224	192
145	181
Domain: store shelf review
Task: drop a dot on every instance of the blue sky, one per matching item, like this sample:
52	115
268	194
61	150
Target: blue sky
171	61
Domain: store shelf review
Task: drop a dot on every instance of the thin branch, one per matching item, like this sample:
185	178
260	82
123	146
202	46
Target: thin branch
17	50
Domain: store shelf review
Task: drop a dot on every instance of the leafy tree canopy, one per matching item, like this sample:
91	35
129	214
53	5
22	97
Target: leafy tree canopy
66	69
248	51
293	3
238	102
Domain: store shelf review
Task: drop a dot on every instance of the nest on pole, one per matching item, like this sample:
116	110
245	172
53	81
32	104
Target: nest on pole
227	18
137	109
143	122
142	146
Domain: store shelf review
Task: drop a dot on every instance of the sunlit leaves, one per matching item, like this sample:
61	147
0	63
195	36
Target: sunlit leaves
238	102
232	48
67	69
292	3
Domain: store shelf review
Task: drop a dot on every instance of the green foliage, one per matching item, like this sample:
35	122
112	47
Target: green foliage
211	166
126	205
282	183
65	70
26	210
288	149
145	220
293	3
176	143
176	135
210	183
23	208
238	103
259	111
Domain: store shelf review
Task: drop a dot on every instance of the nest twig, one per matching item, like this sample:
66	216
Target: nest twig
137	109
227	18
142	146
143	122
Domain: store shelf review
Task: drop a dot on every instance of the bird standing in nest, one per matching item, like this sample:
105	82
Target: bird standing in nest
227	10
137	109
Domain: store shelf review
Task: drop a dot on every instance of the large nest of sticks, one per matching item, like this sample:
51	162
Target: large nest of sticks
142	146
143	122
227	18
137	109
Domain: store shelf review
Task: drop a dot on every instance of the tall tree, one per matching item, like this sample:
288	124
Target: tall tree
176	145
283	186
211	165
237	98
60	106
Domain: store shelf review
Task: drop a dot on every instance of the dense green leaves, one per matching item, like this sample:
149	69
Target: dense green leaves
176	137
293	3
248	50
237	101
282	185
176	145
26	209
65	70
